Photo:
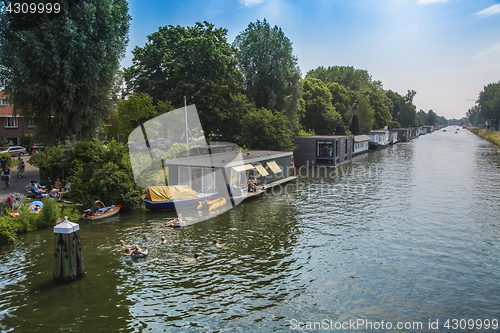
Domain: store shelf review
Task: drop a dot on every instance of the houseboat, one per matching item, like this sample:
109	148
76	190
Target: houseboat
323	150
379	139
361	144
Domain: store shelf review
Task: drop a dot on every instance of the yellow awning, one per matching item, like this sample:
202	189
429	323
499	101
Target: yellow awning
241	168
261	170
274	167
166	193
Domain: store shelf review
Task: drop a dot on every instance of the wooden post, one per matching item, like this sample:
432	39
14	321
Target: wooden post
68	259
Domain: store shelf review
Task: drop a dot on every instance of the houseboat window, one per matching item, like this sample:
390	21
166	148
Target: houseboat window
345	148
324	148
337	147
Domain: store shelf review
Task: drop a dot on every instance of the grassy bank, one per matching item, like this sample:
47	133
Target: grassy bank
11	227
491	136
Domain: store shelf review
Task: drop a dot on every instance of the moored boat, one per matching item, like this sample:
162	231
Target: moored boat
103	213
172	197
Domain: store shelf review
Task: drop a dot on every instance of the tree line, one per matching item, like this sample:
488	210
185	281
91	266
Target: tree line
486	112
62	71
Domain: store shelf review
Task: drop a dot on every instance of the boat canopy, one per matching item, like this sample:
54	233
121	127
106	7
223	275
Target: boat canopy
261	170
241	168
274	167
167	193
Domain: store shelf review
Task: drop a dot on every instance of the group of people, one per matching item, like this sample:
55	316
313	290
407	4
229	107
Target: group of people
57	190
138	251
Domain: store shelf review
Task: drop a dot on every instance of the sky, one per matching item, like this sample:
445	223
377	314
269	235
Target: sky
445	50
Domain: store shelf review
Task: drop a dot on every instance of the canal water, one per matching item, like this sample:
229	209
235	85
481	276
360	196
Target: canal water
408	235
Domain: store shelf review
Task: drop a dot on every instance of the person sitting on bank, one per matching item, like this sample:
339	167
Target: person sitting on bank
57	187
138	251
63	191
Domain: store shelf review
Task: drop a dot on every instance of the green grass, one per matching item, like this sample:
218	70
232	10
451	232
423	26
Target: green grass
491	136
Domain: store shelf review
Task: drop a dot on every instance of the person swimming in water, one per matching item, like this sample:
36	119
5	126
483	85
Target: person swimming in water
216	244
122	244
127	252
138	251
193	259
163	240
175	222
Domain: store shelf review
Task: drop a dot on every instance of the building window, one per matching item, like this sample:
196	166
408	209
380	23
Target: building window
30	123
3	101
11	122
324	149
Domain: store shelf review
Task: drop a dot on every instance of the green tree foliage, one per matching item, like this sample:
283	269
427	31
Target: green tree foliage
341	99
196	62
270	70
349	77
474	116
365	113
319	114
381	105
96	171
354	128
59	68
489	103
131	113
395	124
421	119
267	130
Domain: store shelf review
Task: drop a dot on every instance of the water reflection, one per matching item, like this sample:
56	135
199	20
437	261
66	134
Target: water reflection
409	233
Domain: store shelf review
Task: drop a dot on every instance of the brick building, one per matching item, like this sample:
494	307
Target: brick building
12	128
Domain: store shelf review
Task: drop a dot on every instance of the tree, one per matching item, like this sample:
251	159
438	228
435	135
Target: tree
266	130
365	113
349	77
354	128
270	70
381	105
341	100
489	103
196	62
59	68
319	114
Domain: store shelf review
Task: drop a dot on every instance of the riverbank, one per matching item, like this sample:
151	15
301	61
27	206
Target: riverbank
491	136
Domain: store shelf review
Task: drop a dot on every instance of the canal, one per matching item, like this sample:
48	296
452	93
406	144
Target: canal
408	235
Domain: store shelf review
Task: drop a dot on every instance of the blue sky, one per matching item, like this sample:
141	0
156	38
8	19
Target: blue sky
446	50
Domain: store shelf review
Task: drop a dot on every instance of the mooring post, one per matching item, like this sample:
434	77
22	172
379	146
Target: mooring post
68	260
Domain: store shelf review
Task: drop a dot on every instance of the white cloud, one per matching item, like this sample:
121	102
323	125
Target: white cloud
492	51
492	10
249	3
424	2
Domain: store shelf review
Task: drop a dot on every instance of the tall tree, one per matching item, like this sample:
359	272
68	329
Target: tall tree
59	68
365	112
354	128
196	62
489	103
270	70
381	105
319	114
349	77
266	129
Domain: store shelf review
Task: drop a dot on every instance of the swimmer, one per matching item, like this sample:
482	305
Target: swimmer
163	240
216	244
138	251
193	259
122	244
127	252
145	237
175	222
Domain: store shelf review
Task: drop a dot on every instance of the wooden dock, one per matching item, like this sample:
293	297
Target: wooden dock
259	190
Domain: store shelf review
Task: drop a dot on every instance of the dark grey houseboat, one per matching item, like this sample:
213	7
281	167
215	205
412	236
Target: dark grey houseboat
323	150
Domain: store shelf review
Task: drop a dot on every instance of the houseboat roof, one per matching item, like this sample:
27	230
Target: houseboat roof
323	136
229	159
361	138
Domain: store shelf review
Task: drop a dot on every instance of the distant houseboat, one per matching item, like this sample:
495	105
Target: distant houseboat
323	150
361	144
379	139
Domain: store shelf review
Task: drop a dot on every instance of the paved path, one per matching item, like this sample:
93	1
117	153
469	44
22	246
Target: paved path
19	185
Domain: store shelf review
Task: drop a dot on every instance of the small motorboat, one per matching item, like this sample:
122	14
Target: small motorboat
103	213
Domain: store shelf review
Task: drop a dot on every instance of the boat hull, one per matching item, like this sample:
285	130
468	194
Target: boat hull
376	145
173	204
108	213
